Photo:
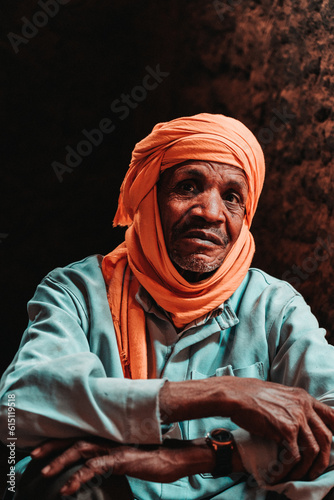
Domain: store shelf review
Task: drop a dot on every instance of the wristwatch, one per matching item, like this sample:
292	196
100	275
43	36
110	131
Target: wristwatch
221	440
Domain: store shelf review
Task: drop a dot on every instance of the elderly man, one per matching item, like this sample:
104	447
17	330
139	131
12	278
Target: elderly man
169	360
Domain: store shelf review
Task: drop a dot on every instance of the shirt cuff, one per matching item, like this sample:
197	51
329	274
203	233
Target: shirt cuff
143	412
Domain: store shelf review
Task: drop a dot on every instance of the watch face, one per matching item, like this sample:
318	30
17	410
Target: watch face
221	436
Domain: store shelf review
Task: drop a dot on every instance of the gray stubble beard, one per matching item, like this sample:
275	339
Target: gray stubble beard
195	264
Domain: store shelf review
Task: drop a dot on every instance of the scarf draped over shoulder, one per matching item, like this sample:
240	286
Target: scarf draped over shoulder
143	259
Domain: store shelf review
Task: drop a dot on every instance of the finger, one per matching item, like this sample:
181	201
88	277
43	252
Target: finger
309	449
326	413
314	443
80	449
289	454
325	443
100	466
51	446
295	457
316	454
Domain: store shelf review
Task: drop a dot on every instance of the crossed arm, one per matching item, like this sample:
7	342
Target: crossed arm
270	410
55	352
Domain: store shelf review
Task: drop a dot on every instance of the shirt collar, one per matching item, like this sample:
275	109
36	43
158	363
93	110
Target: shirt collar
224	314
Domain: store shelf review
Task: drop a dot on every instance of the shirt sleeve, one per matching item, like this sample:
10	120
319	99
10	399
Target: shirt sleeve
301	357
61	387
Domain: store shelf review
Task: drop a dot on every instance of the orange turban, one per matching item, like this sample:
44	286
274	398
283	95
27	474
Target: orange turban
143	258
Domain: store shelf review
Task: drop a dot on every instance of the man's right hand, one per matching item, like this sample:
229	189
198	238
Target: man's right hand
276	412
95	456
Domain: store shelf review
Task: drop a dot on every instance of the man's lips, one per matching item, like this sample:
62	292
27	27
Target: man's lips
204	235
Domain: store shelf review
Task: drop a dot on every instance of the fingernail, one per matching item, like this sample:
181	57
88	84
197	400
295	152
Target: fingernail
65	488
46	469
35	452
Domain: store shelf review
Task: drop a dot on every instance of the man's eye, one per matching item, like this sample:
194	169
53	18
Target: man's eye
232	198
187	186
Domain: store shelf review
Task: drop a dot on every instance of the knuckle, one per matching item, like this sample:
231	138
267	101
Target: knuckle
327	441
79	444
329	435
99	464
291	433
300	392
84	474
96	463
315	450
84	448
304	400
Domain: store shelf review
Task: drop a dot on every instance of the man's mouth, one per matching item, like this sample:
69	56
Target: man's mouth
204	235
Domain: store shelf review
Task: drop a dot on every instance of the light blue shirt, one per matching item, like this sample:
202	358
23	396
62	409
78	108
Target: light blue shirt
68	381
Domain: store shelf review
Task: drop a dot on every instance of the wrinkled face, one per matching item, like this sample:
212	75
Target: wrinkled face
202	207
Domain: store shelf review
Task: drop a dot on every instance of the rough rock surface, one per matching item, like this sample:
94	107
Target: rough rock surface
270	64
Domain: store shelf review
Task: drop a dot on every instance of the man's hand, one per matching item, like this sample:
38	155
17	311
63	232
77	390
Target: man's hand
164	463
292	417
287	415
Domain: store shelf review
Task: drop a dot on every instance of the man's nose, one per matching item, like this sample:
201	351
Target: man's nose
210	206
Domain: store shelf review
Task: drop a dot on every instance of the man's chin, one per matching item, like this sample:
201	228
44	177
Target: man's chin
196	265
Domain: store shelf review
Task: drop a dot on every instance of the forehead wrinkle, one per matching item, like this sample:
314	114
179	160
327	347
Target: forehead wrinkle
197	172
191	171
237	184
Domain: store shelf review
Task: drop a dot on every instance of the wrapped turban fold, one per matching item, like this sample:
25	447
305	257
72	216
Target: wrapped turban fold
143	258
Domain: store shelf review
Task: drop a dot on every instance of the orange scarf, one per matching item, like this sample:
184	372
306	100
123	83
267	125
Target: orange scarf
143	258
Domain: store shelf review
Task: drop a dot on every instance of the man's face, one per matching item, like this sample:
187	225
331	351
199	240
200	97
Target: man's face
202	206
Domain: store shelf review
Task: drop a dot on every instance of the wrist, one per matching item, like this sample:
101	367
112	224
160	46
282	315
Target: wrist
222	442
206	455
227	456
199	456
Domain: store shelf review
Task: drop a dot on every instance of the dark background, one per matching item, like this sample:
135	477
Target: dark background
267	63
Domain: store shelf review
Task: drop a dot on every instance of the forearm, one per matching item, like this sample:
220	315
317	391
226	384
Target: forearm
192	399
163	463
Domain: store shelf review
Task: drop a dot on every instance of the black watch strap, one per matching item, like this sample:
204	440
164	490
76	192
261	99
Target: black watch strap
221	440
